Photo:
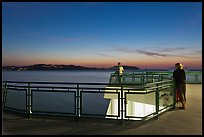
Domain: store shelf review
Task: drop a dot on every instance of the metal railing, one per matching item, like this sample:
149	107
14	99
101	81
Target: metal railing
192	77
140	96
82	99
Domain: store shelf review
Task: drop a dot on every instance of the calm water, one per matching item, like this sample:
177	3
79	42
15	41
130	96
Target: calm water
57	102
65	76
57	76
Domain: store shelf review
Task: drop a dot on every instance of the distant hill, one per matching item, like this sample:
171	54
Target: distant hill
61	67
125	68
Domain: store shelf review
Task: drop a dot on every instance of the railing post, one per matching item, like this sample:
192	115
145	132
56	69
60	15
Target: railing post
133	77
29	101
196	78
174	94
122	103
147	77
77	103
111	77
157	100
143	78
4	94
123	79
162	76
152	78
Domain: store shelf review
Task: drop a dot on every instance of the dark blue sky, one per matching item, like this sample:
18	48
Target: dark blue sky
143	34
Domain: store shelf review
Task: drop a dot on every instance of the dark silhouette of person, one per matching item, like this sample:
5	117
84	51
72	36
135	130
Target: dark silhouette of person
179	78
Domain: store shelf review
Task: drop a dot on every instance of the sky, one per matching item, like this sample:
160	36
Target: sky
148	35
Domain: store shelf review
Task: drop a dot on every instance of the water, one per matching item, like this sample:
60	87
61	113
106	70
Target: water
57	76
66	76
62	102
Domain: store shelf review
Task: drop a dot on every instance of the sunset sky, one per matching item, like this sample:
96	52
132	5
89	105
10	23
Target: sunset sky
99	34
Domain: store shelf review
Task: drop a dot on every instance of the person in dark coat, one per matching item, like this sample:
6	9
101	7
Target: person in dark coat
179	77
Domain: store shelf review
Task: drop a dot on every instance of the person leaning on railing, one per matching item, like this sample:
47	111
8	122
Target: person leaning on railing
119	72
179	77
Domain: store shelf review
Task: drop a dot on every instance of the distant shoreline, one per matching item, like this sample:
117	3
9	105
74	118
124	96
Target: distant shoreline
61	67
50	67
140	70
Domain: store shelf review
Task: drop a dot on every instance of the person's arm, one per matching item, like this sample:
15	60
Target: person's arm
117	70
184	76
173	76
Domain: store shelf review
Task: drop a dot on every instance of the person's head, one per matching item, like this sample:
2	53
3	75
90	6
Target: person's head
119	63
179	65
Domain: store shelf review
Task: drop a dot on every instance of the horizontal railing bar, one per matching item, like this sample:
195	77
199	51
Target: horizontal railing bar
72	83
74	87
129	89
33	82
80	88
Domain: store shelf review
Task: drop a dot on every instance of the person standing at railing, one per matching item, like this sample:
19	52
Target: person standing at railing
119	72
179	77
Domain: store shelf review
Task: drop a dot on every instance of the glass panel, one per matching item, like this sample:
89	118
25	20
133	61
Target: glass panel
16	99
54	102
140	105
165	98
94	103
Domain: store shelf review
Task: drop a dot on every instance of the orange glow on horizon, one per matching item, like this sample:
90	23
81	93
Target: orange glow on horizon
145	63
107	65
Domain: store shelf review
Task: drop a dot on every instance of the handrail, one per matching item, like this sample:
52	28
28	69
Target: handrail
149	82
79	90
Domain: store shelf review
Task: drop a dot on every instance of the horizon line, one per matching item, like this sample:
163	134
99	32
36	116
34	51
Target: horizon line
170	68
